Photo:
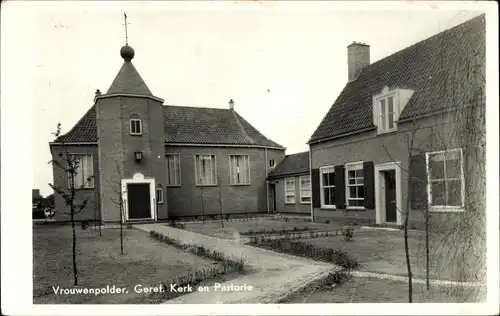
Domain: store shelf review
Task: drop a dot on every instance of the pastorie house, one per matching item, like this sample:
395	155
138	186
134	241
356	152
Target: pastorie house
166	161
416	115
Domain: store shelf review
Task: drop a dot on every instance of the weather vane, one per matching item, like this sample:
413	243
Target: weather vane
126	35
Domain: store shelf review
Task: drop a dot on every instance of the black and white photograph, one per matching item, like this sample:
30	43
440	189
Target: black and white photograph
249	158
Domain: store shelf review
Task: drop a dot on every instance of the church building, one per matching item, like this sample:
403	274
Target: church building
165	161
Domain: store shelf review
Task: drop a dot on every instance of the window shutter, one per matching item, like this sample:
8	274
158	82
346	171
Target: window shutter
340	187
369	181
315	188
418	182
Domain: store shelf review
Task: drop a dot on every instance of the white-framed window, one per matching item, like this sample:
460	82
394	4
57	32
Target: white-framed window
305	189
272	163
355	188
290	191
327	184
159	194
173	170
205	170
239	169
84	175
387	114
445	180
135	126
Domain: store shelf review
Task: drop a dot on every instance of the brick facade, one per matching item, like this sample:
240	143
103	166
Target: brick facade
297	207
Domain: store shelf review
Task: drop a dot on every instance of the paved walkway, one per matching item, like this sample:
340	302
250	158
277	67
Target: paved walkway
276	275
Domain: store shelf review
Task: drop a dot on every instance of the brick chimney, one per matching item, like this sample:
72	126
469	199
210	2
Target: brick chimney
231	104
358	57
97	93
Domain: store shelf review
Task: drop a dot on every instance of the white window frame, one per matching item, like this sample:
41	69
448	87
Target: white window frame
159	197
289	192
248	167
349	167
395	112
132	120
445	208
301	190
178	166
92	175
322	186
213	158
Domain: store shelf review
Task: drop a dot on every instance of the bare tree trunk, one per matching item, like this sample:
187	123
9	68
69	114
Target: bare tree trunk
427	259
121	226
220	204
406	220
72	213
202	206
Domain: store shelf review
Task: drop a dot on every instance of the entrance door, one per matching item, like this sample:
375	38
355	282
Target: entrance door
390	196
139	204
272	196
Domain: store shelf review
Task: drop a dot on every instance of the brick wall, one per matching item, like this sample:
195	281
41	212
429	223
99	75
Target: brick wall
433	134
186	200
297	207
92	211
117	147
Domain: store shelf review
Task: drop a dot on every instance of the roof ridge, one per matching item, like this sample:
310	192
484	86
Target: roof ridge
235	115
419	42
195	107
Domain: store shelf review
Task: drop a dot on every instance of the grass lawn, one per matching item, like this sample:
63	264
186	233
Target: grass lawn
371	290
233	229
383	252
146	262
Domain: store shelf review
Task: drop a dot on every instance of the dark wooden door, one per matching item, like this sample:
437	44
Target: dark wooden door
390	196
272	192
139	204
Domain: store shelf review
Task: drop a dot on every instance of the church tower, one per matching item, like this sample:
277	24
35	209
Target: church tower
131	142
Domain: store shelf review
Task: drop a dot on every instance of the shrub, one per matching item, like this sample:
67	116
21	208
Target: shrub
348	234
84	224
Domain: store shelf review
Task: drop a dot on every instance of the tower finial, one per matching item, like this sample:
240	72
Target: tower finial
126	34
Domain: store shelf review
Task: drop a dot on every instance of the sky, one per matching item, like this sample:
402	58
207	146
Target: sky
282	63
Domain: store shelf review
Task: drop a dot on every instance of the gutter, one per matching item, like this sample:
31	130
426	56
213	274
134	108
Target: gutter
341	135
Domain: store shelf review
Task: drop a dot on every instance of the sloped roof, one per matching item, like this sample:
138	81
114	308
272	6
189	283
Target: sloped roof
197	125
186	125
292	164
435	68
128	81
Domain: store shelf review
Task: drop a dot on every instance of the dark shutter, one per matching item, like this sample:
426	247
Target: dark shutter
339	187
315	187
418	182
369	181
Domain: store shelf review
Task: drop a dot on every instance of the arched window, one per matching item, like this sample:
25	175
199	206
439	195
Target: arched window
135	125
159	194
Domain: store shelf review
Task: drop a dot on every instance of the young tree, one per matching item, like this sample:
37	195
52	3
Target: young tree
118	201
70	164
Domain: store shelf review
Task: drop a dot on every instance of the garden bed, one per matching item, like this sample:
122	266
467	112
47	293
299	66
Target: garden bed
372	290
261	226
146	262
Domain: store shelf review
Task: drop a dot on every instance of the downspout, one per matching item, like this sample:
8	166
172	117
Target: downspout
267	182
310	177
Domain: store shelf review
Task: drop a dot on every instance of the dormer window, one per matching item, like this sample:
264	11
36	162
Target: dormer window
135	126
387	114
387	106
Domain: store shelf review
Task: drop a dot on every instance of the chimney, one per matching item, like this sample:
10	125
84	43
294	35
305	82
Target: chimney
358	57
231	104
97	93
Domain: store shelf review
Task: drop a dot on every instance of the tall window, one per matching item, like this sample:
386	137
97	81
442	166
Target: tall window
205	170
239	169
290	190
173	170
305	189
159	194
355	185
327	187
387	114
84	176
445	180
135	126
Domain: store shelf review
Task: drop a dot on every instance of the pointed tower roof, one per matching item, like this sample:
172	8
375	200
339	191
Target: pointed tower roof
128	80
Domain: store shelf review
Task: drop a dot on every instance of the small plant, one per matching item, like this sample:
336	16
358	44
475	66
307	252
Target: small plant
348	234
84	224
327	222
